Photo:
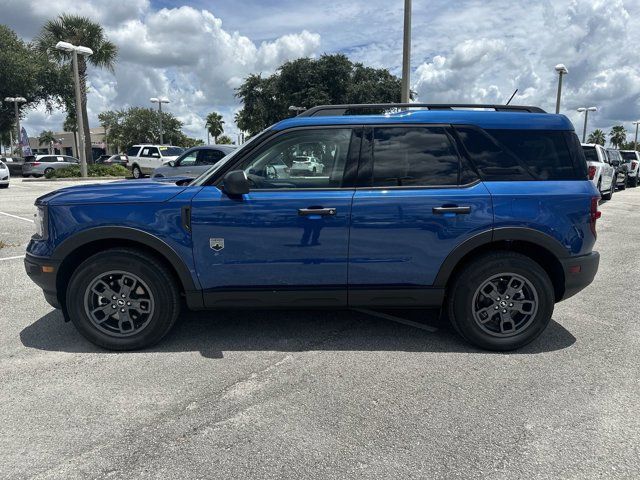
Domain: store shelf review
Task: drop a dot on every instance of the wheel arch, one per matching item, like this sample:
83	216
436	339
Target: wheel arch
74	250
540	247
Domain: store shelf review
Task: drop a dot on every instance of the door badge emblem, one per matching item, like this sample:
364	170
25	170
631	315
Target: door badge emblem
216	244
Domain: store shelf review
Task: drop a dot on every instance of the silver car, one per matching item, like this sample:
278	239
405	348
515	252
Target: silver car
194	161
42	164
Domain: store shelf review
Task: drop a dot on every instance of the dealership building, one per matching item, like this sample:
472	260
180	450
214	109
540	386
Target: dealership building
66	144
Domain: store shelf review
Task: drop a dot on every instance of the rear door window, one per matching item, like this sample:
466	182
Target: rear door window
132	151
413	156
209	157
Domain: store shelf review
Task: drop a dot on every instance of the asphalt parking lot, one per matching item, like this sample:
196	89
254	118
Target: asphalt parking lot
322	394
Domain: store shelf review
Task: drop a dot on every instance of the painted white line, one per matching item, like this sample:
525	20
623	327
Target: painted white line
11	258
15	216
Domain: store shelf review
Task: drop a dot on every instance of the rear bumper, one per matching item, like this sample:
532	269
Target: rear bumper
579	272
45	280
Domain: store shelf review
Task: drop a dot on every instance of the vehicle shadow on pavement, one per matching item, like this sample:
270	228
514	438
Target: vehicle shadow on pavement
212	333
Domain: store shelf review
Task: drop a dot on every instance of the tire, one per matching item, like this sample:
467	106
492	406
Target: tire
4	185
153	289
634	182
136	172
47	170
623	186
609	195
314	171
465	297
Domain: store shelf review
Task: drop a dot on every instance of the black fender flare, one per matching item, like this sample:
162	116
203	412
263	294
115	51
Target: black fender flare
132	234
525	234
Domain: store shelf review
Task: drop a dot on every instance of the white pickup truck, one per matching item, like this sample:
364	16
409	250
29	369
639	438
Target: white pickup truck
143	159
601	173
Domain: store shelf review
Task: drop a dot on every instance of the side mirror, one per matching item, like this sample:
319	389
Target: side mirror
172	163
235	183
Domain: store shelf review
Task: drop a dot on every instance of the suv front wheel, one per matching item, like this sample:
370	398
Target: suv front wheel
123	299
501	301
136	172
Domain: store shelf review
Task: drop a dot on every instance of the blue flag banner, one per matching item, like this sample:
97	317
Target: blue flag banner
24	143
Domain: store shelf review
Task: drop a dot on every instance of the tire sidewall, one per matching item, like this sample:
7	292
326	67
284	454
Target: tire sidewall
135	169
163	289
472	277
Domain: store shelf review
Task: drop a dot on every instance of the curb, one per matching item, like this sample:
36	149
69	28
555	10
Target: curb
71	179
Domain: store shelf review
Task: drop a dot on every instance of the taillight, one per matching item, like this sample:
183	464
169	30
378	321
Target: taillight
595	214
592	172
35	164
633	165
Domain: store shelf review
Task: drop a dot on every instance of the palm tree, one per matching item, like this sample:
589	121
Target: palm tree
214	125
597	136
617	136
47	138
78	30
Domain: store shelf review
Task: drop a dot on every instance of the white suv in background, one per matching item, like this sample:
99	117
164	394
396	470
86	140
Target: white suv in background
601	173
143	159
633	158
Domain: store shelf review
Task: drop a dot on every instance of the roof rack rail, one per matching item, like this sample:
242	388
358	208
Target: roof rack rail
338	110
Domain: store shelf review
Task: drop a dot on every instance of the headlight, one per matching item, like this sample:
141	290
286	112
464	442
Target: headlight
41	221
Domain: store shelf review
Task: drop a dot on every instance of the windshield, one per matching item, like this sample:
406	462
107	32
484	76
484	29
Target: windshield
628	156
591	154
171	151
204	177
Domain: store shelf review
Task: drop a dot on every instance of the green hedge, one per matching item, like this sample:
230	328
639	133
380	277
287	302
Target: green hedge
92	171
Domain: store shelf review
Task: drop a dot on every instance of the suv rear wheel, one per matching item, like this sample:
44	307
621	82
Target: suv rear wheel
501	301
122	299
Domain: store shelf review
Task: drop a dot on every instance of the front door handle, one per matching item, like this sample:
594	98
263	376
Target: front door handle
325	212
452	209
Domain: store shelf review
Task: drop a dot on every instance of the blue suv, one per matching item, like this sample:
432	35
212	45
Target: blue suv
486	212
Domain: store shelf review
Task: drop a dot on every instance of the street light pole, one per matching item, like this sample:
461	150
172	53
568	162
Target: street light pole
298	110
562	70
406	54
586	111
16	101
75	50
635	140
160	101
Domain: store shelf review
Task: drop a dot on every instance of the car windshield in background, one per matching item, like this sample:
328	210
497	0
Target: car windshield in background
628	156
171	151
591	154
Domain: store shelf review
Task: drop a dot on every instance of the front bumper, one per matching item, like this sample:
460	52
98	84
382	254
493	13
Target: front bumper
45	278
579	272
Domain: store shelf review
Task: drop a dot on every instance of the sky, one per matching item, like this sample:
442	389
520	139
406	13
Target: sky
464	51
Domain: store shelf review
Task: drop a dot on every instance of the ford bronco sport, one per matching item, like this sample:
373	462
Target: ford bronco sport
487	213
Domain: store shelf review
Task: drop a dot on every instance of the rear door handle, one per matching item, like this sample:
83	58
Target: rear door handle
452	209
325	212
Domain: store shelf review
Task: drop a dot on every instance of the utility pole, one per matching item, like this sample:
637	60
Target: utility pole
405	93
586	111
562	70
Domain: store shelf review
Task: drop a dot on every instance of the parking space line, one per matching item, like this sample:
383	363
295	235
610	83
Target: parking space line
12	258
16	216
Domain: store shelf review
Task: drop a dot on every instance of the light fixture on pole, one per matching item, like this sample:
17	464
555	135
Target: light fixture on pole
635	141
160	101
405	92
16	101
298	110
562	70
586	111
85	51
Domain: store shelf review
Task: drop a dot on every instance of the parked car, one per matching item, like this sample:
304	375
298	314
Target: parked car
600	172
118	159
306	165
144	159
632	159
194	161
622	169
5	175
14	164
488	214
40	165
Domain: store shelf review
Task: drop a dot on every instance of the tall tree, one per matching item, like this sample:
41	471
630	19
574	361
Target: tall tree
27	73
617	136
140	125
224	140
47	138
597	136
306	82
78	30
214	125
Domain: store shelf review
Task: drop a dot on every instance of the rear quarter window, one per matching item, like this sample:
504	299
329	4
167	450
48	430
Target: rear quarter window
524	154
